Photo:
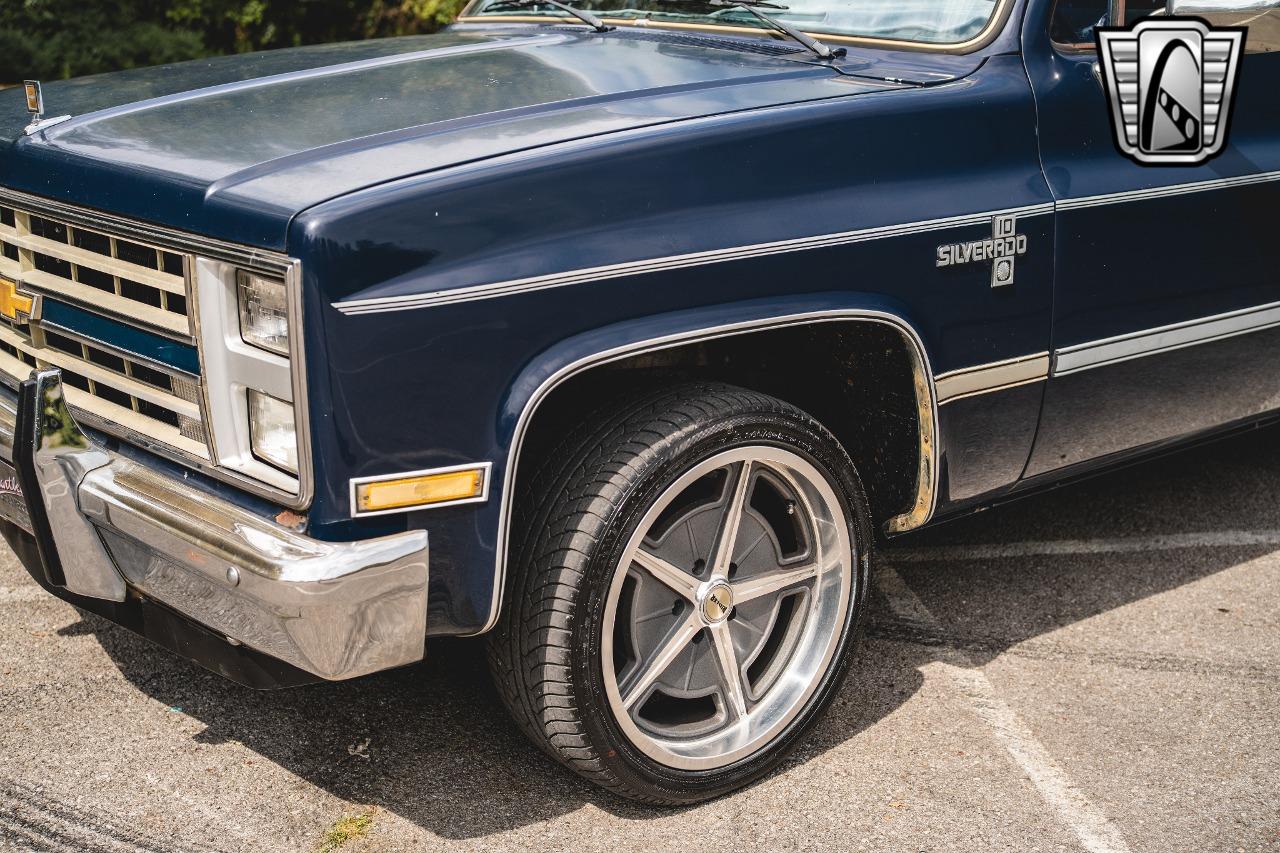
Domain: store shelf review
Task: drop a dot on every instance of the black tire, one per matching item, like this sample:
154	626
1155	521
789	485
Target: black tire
574	517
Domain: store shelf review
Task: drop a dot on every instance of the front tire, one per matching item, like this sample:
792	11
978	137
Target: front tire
687	591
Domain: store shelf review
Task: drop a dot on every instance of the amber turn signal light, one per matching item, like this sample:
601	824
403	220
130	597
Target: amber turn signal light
420	490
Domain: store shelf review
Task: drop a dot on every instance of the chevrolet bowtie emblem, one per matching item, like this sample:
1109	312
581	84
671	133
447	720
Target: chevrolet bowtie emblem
13	303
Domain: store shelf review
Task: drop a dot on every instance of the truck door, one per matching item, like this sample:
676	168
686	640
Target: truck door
1167	291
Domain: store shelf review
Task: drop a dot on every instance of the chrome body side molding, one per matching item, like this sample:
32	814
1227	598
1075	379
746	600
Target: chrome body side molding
1164	192
997	376
506	288
433	299
1164	338
926	479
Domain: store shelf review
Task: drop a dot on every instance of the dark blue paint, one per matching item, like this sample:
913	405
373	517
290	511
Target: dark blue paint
639	194
128	338
504	152
1129	267
236	157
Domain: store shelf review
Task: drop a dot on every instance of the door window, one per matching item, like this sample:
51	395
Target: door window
1073	20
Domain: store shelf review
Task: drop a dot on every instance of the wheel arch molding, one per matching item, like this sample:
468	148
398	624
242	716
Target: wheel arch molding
574	357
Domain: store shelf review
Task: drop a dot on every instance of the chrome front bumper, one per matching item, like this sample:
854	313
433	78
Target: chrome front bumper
105	525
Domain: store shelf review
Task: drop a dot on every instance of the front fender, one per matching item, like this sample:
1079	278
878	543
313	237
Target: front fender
446	306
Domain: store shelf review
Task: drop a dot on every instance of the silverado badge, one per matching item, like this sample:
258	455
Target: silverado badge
1169	83
1000	249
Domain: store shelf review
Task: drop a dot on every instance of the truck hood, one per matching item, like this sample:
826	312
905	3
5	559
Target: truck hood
234	147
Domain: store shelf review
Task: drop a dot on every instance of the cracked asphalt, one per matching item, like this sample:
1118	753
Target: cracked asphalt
1096	668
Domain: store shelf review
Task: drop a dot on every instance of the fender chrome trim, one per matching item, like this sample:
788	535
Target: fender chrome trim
926	479
996	376
437	298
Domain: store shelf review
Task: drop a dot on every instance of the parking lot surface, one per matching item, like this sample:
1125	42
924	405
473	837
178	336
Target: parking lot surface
1096	668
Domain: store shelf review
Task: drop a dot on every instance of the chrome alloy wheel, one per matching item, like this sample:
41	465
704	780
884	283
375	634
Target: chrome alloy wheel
727	607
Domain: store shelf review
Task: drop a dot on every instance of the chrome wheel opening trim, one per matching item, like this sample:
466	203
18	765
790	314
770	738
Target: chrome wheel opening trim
926	401
824	578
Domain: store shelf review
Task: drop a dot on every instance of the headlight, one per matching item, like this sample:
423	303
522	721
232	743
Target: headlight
272	434
264	312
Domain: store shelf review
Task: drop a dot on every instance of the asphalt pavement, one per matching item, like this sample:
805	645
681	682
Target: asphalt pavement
1095	668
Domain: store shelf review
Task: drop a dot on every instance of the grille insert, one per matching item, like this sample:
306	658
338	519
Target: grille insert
142	284
116	388
112	315
139	284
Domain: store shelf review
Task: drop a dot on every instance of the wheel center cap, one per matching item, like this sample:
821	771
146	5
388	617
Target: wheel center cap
717	601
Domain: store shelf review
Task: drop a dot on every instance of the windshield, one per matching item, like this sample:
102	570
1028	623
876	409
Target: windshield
937	22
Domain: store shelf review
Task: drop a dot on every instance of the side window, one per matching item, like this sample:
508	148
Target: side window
1071	26
1073	20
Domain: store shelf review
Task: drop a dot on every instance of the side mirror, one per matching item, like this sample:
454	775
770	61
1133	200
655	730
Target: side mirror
1214	7
1262	17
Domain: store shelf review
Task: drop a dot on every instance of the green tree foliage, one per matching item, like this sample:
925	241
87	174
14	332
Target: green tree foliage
50	39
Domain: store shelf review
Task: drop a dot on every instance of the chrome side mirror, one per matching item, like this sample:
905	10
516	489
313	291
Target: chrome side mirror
1262	17
1211	7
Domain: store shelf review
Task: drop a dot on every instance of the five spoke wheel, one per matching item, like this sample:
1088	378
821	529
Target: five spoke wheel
726	607
689	581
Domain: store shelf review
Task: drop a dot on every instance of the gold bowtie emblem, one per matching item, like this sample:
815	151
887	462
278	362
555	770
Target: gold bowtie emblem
13	303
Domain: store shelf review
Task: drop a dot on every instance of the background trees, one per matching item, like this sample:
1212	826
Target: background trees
51	39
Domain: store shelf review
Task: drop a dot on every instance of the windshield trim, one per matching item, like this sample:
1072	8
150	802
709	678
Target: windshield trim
988	33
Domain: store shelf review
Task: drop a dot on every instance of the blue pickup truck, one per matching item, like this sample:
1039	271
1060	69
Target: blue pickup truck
617	331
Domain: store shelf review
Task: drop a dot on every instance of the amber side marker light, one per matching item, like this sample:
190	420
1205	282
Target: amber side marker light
467	484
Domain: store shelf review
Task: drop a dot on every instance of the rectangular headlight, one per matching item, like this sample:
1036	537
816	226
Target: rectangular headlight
272	434
264	312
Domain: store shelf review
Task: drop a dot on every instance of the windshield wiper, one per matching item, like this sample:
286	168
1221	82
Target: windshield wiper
586	17
753	6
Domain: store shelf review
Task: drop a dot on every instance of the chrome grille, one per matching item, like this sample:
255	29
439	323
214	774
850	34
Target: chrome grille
141	285
126	309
